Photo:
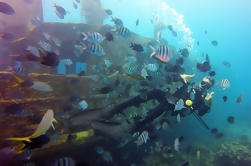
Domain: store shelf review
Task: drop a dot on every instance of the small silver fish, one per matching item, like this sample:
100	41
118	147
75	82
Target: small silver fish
108	63
41	86
179	105
78	50
33	50
67	62
144	73
100	150
107	157
177	144
83	105
178	118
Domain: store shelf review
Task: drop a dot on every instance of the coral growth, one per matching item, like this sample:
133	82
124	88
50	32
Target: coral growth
234	153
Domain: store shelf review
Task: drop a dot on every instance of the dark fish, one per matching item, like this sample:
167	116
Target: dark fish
82	73
105	90
118	22
109	12
117	82
75	98
184	52
174	33
71	137
214	43
230	119
67	108
75	81
214	130
203	67
49	58
181	138
198	43
227	64
143	83
180	61
74	5
170	27
6	77
143	95
26	83
37	142
60	11
109	36
13	109
7	36
26	154
137	47
212	73
185	164
6	9
219	135
137	22
225	98
239	99
36	118
205	31
15	95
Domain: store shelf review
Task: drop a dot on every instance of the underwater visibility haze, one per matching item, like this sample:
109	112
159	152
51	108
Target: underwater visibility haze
125	83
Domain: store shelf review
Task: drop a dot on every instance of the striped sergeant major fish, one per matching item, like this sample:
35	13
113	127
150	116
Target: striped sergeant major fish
143	137
122	31
162	53
42	128
17	69
65	161
95	49
224	84
93	37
